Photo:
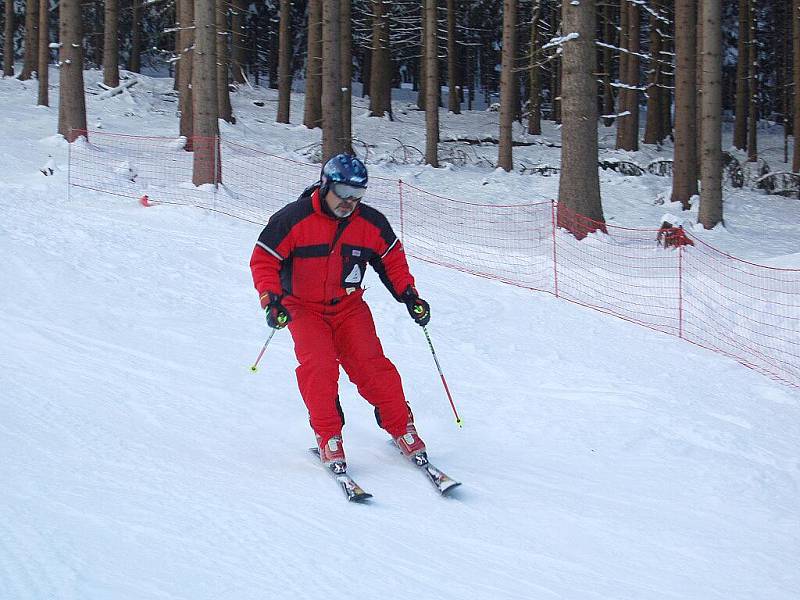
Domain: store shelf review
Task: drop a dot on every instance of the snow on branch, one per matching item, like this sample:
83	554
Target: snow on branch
559	41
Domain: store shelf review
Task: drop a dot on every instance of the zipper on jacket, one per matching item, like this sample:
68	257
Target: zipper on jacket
339	231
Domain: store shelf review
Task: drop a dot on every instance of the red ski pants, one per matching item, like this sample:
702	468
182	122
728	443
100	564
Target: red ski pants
326	336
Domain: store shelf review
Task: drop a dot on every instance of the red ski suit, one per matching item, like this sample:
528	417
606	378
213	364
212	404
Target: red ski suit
315	262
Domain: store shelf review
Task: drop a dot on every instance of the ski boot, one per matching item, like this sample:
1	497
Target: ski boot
331	453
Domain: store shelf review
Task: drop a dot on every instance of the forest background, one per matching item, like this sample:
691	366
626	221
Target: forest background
688	66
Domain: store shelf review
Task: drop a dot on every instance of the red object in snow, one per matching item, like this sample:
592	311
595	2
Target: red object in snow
145	201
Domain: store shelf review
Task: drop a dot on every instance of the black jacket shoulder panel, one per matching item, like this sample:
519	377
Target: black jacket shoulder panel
379	220
282	222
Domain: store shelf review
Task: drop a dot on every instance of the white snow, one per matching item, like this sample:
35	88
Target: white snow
560	40
142	459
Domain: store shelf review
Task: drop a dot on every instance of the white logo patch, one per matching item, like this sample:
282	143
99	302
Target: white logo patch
355	275
356	252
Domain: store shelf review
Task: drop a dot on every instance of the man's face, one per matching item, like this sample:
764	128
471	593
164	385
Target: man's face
342	199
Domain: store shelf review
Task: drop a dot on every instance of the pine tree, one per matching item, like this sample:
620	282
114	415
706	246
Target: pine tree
186	34
796	58
346	74
608	61
423	59
43	68
331	84
579	183
111	44
653	133
312	116
710	212
431	84
668	73
380	85
71	99
684	174
753	76
238	40
135	60
8	41
507	83
624	57
628	124
453	89
742	77
223	91
31	39
207	167
535	75
284	62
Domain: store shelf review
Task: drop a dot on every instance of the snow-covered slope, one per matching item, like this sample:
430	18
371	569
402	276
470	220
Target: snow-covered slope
142	459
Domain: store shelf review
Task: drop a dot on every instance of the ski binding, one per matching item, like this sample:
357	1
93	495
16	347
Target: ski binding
352	491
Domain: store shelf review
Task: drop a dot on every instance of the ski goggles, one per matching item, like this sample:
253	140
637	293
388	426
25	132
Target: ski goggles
349	192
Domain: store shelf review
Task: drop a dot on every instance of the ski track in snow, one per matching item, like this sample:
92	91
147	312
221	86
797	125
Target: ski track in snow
142	459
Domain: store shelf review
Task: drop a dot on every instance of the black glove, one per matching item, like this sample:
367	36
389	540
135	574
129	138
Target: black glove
277	315
419	310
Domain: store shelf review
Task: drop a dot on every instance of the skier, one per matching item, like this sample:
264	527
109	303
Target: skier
308	266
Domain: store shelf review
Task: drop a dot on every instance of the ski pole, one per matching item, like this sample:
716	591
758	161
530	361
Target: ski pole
254	367
444	381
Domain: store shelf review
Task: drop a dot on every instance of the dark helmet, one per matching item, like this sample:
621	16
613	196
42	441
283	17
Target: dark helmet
343	168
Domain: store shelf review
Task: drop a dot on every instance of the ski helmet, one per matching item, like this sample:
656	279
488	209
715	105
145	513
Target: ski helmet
343	168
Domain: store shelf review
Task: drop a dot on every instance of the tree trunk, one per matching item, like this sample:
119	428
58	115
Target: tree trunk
579	184
628	125
238	41
608	62
624	57
422	58
284	62
698	72
135	60
752	117
556	67
207	167
111	44
186	104
223	91
684	176
346	77
710	212
273	59
632	132
31	38
652	129
796	59
505	158
43	68
331	85
366	70
312	116
379	86
71	100
8	43
666	74
535	76
94	39
175	66
453	90
742	81
431	85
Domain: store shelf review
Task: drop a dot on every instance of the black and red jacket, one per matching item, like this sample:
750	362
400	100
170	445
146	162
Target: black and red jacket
307	252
